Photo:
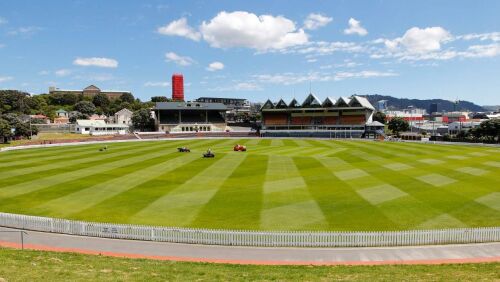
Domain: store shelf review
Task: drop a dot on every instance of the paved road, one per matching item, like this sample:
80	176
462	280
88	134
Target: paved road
253	255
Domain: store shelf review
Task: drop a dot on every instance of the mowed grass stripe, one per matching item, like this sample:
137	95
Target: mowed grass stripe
99	159
343	208
181	205
286	193
76	202
132	201
445	201
66	161
235	205
40	196
43	182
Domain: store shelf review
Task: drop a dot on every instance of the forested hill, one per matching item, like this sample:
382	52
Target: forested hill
443	105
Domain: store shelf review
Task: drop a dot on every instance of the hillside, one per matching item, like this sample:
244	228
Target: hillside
443	105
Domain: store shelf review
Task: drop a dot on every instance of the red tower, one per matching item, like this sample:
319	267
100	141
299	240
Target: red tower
177	87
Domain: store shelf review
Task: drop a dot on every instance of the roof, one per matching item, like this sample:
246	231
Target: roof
190	106
375	123
91	87
311	100
61	111
363	101
124	111
98	123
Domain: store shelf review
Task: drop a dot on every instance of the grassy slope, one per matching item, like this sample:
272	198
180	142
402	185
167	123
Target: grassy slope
35	266
277	184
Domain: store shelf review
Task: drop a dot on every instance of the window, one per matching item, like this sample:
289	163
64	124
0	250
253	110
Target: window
87	128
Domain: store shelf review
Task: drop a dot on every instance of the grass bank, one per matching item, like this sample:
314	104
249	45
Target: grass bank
17	265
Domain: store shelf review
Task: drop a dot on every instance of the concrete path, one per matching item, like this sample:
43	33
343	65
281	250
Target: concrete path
253	255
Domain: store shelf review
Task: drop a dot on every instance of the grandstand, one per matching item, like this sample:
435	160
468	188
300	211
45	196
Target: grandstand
343	118
190	117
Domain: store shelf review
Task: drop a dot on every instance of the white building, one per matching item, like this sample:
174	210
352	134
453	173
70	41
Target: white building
99	127
123	116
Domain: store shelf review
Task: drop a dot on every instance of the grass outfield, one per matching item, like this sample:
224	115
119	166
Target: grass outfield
35	265
279	184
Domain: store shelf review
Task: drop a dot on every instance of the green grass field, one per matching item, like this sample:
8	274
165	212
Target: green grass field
279	184
47	266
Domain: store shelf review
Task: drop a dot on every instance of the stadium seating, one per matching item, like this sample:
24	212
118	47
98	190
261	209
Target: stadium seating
359	119
275	119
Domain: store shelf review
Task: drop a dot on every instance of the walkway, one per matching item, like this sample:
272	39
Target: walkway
489	252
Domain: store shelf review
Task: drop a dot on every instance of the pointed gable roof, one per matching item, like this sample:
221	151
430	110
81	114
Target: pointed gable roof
281	104
329	102
268	105
91	87
294	104
311	101
343	102
358	101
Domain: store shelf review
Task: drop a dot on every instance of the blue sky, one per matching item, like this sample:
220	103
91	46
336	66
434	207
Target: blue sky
255	49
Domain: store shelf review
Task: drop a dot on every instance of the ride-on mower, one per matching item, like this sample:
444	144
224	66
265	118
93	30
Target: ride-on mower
184	149
239	148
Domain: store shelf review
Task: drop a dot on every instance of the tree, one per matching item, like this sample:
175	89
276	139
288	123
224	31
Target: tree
159	99
398	125
5	131
85	107
74	116
100	100
127	97
489	129
142	120
23	129
380	117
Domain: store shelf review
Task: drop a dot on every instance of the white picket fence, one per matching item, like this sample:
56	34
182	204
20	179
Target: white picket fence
252	238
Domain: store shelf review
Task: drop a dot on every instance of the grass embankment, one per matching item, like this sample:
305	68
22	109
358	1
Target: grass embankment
48	137
17	265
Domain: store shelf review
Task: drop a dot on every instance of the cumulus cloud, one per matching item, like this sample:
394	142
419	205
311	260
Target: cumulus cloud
243	29
493	36
96	62
290	78
5	78
179	60
315	21
418	40
62	72
181	28
355	28
157	84
215	66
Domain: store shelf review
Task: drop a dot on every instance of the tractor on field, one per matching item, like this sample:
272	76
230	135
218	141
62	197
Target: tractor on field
239	148
183	150
209	154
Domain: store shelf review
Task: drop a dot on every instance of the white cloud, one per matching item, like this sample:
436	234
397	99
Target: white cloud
62	72
355	28
243	29
157	84
44	72
5	78
315	21
3	21
28	30
241	86
181	28
320	48
297	78
96	62
417	40
314	60
215	66
482	51
179	60
493	36
363	74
